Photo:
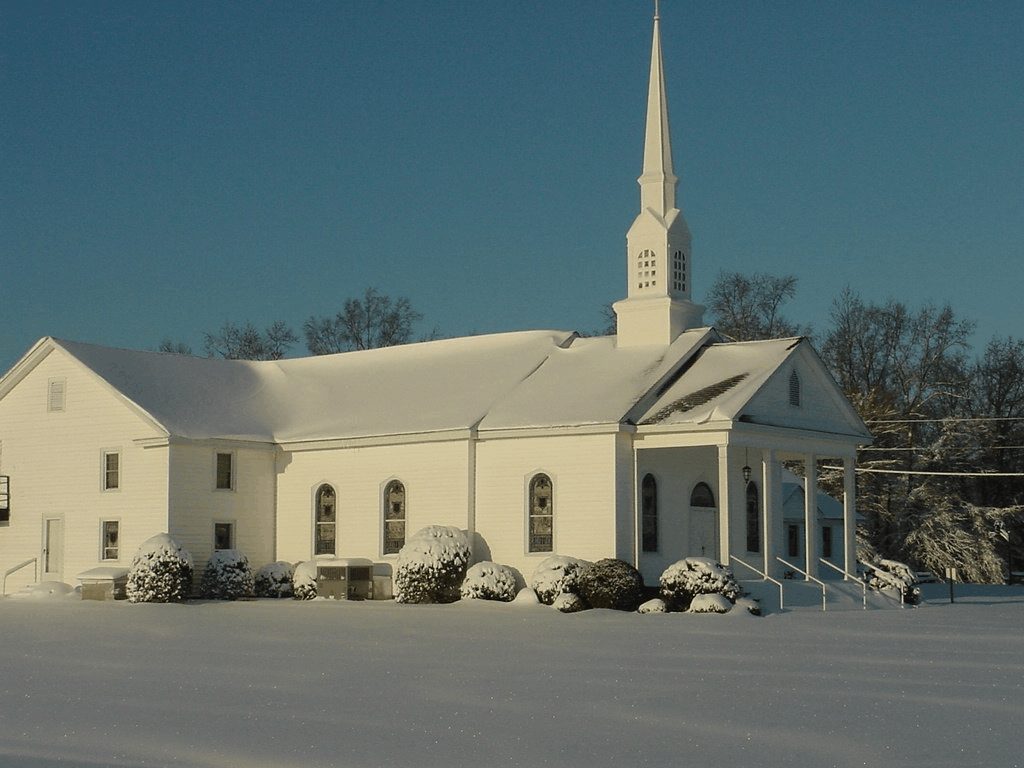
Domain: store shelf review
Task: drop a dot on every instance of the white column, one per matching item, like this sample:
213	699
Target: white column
812	536
771	497
849	515
724	504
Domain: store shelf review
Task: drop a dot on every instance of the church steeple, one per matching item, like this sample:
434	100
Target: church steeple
657	307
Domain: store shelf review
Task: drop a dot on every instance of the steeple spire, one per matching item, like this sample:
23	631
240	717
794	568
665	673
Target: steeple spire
658	182
657	307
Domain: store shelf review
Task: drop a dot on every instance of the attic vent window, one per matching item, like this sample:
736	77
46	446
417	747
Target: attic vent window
794	389
55	395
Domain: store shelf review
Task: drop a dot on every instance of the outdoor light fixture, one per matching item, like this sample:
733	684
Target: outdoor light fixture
746	467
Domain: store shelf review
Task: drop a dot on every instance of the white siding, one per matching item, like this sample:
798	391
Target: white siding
435	475
55	462
195	504
583	472
676	471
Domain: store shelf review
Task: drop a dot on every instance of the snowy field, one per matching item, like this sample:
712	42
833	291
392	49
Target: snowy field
290	684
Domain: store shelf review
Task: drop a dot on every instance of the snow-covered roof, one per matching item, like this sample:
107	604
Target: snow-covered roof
719	382
508	381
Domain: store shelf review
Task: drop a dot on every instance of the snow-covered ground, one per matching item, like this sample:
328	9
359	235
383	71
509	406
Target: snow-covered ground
289	684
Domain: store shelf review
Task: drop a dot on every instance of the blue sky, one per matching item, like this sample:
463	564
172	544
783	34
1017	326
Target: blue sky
166	167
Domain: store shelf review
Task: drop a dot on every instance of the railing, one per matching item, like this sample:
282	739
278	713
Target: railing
781	594
806	575
18	567
851	577
887	578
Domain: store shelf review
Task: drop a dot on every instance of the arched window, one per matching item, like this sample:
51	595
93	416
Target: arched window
649	513
794	388
325	534
753	520
394	517
702	496
541	515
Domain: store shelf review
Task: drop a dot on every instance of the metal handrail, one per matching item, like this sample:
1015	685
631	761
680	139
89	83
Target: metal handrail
851	577
819	582
886	578
18	567
766	577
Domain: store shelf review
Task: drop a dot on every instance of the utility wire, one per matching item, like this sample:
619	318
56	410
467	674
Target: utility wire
940	421
928	472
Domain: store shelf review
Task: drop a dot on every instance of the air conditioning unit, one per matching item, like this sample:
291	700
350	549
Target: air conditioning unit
345	578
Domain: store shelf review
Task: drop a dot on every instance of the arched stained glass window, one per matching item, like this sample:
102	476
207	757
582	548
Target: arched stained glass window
325	535
753	519
702	496
649	513
541	515
394	517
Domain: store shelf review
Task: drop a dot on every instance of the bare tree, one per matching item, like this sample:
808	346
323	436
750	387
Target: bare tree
174	347
246	342
748	307
375	320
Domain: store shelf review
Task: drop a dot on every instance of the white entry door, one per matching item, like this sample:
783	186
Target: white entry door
53	548
703	532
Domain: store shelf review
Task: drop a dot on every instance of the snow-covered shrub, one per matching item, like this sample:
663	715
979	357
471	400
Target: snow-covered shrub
161	572
892	574
490	581
304	581
567	602
692	576
274	580
227	576
611	583
554	576
654	605
432	565
710	602
526	596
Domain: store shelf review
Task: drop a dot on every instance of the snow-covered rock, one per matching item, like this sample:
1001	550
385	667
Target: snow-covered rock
692	576
710	602
554	576
526	596
567	602
655	605
227	576
47	590
432	565
489	581
274	580
750	605
304	580
161	571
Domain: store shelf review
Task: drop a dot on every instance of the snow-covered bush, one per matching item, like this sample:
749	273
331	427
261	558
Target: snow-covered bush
750	605
554	576
432	565
692	576
274	580
227	576
710	602
567	602
304	580
161	572
655	605
892	574
611	583
490	581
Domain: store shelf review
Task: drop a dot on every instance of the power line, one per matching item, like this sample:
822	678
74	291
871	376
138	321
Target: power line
946	420
970	447
929	472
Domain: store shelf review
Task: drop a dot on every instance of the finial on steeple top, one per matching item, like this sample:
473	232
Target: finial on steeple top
657	16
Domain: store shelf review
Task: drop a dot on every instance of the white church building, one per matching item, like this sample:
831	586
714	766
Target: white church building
660	442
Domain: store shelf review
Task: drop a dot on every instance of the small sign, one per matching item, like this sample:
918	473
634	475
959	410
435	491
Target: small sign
951	574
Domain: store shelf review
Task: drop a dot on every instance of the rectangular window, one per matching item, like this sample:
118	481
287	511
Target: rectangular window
826	541
110	533
55	395
111	471
223	536
225	474
793	549
5	499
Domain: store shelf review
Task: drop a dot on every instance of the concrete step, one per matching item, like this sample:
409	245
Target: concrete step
806	596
